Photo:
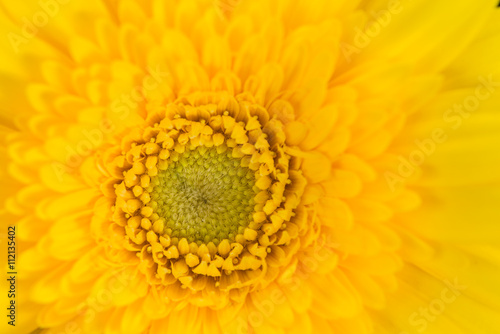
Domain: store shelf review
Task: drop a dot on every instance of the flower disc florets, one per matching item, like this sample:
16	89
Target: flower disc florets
206	196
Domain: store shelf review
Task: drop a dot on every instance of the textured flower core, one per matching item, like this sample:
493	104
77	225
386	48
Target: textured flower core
206	195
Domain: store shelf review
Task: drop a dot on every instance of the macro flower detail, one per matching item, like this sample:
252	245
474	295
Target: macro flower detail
250	166
206	197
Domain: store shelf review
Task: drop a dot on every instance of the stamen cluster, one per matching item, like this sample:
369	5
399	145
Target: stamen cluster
207	196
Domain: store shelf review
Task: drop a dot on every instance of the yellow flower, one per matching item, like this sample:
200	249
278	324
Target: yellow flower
250	166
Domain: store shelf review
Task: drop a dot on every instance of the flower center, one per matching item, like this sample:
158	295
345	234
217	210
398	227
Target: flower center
204	196
207	196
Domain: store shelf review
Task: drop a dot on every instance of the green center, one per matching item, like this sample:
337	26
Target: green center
204	196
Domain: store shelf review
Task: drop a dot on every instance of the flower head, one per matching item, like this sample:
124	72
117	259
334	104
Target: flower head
252	166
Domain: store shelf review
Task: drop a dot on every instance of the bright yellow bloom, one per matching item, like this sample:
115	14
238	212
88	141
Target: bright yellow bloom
250	166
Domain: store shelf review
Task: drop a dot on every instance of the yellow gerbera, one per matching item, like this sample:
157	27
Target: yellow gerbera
250	166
